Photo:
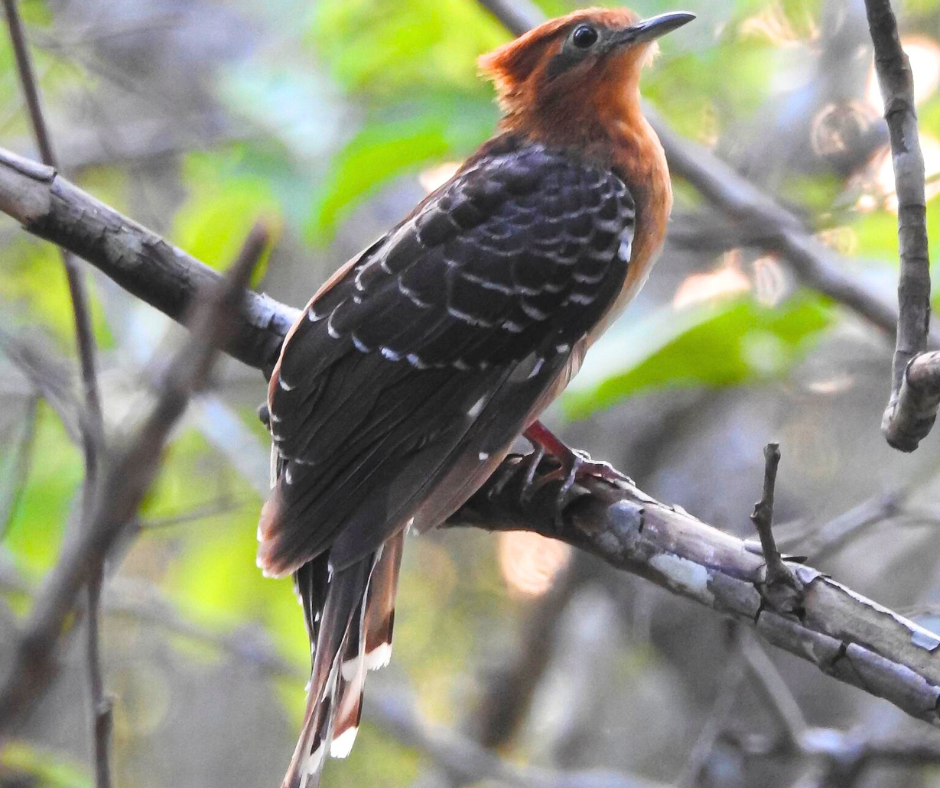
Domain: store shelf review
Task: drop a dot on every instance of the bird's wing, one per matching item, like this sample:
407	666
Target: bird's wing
466	311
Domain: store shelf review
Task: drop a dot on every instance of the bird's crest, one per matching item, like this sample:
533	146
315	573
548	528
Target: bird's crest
511	65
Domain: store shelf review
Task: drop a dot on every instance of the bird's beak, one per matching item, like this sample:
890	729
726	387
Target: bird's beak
654	27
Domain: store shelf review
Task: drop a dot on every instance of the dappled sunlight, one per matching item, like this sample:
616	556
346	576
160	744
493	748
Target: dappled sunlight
830	386
770	281
529	562
772	24
842	239
727	280
434	177
837	128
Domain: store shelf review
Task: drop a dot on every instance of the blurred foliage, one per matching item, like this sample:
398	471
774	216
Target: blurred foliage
717	344
37	768
39	522
224	201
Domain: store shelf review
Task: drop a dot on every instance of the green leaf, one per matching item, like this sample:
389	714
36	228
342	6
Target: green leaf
224	203
420	133
372	158
718	344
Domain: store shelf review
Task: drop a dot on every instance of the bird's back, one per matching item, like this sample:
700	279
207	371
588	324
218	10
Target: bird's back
439	337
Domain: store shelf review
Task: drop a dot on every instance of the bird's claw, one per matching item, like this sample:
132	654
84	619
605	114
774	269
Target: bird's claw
528	482
585	467
581	467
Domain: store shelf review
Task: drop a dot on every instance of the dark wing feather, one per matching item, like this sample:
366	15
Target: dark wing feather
415	354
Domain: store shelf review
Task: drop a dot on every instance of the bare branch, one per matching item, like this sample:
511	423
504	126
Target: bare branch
782	589
839	631
140	261
127	479
912	408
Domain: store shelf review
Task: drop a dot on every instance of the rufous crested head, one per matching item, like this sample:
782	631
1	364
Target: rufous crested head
587	61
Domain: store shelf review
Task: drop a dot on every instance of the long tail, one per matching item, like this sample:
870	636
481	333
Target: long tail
350	616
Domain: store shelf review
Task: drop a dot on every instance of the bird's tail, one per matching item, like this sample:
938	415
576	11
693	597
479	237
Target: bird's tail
350	615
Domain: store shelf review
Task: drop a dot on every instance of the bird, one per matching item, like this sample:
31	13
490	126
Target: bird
415	367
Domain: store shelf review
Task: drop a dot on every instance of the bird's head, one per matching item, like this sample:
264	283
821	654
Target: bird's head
589	60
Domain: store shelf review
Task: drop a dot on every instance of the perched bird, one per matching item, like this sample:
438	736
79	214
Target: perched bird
414	368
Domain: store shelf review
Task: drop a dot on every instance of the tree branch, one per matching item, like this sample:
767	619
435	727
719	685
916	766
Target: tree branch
912	406
839	631
140	261
842	633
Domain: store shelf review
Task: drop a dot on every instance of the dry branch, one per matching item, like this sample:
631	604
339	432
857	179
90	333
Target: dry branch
841	632
140	261
912	406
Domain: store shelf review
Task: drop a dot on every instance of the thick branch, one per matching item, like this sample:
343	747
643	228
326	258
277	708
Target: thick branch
842	633
140	261
911	409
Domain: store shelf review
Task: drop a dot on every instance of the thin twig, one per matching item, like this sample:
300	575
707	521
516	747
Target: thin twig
48	375
128	477
783	589
911	410
92	422
763	514
222	505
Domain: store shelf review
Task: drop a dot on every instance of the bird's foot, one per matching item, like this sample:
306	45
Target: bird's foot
574	466
579	468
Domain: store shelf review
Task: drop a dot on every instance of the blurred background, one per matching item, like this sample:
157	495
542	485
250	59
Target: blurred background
331	119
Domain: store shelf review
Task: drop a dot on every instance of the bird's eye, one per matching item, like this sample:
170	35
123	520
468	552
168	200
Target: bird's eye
584	37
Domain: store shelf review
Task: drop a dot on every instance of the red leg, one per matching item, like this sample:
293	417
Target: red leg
575	464
573	461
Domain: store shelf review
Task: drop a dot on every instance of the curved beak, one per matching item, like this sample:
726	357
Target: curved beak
654	27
